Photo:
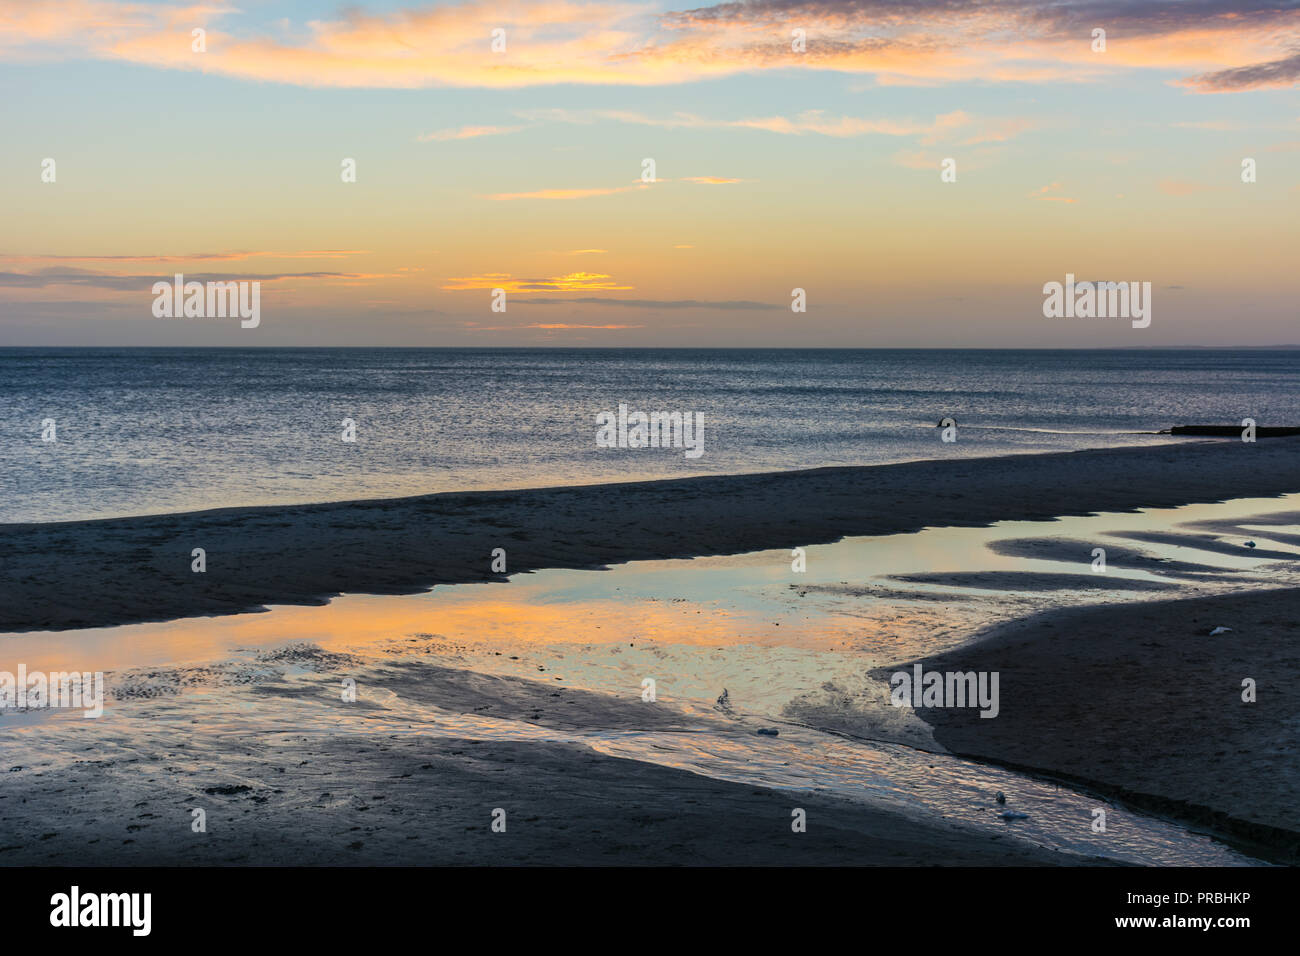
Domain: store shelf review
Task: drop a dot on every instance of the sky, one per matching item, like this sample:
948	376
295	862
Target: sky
796	144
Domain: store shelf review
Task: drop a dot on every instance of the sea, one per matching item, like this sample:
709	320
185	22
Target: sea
99	432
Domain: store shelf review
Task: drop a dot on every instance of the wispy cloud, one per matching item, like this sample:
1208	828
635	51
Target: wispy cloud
743	304
191	257
569	325
1219	45
956	126
1274	74
571	282
45	278
1049	193
467	132
550	327
711	180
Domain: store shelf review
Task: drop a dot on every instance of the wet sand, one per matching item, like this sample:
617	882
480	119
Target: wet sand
1064	549
1131	701
1140	702
369	791
94	573
426	802
1033	581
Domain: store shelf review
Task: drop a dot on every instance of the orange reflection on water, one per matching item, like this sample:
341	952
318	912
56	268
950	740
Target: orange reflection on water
507	614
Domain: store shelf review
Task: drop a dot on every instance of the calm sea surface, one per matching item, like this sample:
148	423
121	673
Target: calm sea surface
158	430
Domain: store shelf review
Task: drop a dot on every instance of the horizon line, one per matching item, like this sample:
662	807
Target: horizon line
676	348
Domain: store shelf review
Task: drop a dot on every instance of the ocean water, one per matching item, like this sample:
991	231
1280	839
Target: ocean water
158	430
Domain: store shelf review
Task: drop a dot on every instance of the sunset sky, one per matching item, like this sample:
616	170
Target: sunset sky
776	169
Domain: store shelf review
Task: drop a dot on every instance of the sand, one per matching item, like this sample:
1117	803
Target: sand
370	793
1133	701
1033	581
93	573
1141	703
1066	549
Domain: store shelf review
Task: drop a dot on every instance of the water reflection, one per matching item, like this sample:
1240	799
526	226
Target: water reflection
745	624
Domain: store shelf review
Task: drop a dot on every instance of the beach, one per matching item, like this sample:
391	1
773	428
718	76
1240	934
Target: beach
524	691
124	570
395	799
1144	703
623	436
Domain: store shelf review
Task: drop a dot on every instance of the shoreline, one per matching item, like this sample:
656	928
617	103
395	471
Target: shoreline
110	571
530	487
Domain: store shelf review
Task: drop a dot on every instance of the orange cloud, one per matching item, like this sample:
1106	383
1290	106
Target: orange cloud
564	325
1046	194
126	282
572	282
547	327
945	126
1223	44
467	132
193	257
